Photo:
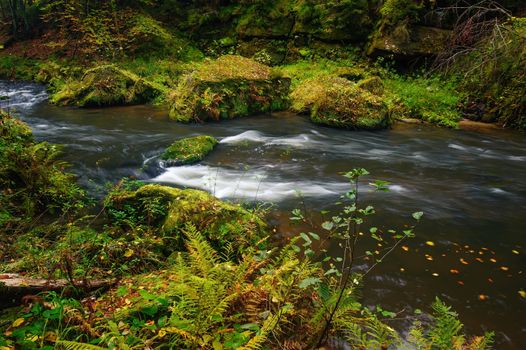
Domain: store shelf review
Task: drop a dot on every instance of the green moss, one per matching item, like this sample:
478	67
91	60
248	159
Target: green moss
374	85
106	86
171	210
189	150
431	99
337	102
229	87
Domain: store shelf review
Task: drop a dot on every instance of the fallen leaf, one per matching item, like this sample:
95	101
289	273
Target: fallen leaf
522	293
515	252
456	272
493	260
504	268
479	260
483	297
460	282
18	322
435	274
128	253
430	243
402	269
406	248
464	261
429	257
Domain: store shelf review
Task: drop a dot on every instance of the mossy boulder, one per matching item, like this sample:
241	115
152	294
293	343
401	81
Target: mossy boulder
226	88
189	150
373	84
106	85
337	102
409	41
170	210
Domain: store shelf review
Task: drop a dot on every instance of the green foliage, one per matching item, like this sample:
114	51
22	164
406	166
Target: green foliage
189	150
445	332
494	76
14	67
432	99
32	181
395	11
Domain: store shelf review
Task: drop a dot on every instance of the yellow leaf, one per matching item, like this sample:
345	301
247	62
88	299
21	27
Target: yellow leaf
430	243
162	333
435	274
18	322
406	248
522	293
515	252
128	253
482	297
504	268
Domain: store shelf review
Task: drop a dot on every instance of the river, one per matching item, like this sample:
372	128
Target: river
470	185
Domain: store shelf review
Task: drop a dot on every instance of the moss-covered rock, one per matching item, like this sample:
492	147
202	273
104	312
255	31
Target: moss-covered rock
171	210
106	85
337	102
229	87
409	41
373	84
189	150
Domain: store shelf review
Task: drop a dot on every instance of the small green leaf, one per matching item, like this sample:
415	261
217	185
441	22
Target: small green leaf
309	281
417	215
327	225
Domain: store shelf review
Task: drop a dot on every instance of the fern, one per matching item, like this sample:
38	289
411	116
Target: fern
257	342
72	345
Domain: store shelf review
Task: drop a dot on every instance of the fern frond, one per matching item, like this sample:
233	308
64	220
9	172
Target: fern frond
203	257
73	345
257	342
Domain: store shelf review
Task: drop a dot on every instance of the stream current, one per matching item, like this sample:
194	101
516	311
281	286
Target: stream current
470	185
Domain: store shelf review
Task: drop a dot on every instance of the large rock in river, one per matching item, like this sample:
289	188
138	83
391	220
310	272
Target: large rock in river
338	102
189	150
171	210
229	87
106	85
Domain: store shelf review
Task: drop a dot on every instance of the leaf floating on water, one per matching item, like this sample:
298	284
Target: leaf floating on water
515	252
402	269
504	268
493	260
479	260
429	257
522	293
490	280
464	261
435	274
406	248
430	243
453	271
460	282
483	297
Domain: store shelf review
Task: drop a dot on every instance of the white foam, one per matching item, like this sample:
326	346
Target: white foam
298	141
253	184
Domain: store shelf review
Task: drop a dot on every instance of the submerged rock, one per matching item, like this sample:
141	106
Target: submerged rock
337	102
106	86
229	87
171	210
189	150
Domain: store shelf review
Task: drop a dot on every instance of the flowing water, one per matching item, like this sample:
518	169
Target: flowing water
471	186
